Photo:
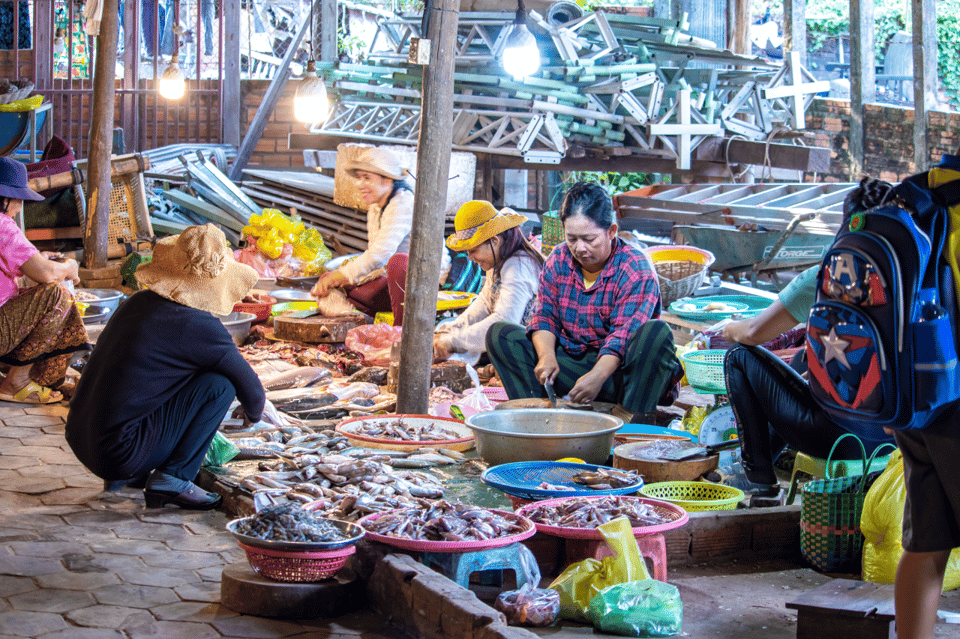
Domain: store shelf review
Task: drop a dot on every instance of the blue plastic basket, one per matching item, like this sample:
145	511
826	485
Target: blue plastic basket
521	479
744	305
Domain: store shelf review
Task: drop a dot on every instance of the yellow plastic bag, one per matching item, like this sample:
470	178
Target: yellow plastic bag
581	581
26	104
882	526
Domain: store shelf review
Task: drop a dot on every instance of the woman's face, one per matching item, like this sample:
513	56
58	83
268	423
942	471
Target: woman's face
485	254
373	188
589	244
13	207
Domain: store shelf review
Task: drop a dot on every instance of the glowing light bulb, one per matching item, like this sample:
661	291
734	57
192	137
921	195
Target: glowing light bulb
310	105
172	84
520	56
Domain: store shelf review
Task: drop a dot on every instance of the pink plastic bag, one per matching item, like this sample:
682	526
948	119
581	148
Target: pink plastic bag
373	341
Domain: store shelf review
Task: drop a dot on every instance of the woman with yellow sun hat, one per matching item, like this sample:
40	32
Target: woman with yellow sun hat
493	240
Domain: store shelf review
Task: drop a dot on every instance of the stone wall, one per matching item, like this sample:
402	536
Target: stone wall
889	138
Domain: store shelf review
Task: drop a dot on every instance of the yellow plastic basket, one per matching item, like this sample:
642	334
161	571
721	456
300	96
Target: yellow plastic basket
695	496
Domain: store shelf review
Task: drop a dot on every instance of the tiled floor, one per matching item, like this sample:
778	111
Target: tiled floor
78	563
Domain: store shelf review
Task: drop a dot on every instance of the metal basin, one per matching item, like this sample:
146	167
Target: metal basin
238	325
106	297
95	314
505	436
292	295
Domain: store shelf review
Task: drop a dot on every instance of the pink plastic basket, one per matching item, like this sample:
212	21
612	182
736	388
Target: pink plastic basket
302	567
665	509
528	529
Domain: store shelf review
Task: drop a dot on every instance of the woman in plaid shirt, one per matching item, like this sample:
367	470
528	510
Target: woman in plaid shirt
594	333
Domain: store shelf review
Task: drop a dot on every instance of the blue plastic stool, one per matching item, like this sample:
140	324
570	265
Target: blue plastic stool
458	566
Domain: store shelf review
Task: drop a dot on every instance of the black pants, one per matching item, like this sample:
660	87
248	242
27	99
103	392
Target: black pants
774	409
172	439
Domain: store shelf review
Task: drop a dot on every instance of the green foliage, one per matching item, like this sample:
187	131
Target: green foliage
611	181
948	48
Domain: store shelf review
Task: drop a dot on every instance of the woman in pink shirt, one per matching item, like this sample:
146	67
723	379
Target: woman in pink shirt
40	327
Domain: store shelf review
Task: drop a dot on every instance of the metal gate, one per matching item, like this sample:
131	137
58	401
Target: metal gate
54	52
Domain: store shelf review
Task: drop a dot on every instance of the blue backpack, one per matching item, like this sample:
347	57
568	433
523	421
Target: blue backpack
882	342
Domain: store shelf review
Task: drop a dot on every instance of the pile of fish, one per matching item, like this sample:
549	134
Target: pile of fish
606	479
402	430
443	521
332	399
290	522
590	512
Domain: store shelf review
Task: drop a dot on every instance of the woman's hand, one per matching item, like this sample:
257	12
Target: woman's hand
327	281
43	271
587	387
547	368
441	352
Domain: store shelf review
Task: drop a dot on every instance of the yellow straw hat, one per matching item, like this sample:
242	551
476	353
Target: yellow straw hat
196	268
477	221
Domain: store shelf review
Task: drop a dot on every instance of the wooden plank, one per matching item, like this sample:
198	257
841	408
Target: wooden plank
207	210
857	598
784	156
54	233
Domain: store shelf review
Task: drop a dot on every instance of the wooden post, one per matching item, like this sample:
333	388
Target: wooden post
738	25
863	78
326	35
924	78
101	141
426	243
795	28
232	101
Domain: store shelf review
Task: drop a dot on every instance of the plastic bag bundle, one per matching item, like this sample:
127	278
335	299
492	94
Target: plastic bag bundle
583	580
536	607
277	236
646	608
373	341
882	526
221	451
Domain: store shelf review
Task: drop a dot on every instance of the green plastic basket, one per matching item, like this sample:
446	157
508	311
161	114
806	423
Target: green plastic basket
743	305
694	496
705	370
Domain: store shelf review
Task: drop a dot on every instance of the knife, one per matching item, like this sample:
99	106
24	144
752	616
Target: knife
550	394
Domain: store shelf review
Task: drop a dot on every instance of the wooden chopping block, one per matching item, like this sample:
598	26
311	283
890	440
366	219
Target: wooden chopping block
630	457
453	375
315	329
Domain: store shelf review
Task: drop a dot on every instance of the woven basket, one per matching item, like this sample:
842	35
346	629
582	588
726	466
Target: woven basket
704	370
679	279
695	495
299	567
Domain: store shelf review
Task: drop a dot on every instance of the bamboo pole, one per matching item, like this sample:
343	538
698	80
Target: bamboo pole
426	244
101	141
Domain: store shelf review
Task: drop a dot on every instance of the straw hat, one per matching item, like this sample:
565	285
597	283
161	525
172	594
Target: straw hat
196	268
477	221
376	160
13	181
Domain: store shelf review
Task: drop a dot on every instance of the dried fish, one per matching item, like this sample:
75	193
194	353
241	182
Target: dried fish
444	521
401	430
590	512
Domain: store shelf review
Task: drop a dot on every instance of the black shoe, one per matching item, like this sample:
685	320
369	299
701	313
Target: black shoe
139	482
194	498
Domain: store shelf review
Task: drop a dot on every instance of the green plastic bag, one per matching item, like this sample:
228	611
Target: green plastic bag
645	608
221	451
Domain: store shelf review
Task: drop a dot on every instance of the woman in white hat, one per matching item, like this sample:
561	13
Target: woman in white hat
493	240
164	373
381	185
40	327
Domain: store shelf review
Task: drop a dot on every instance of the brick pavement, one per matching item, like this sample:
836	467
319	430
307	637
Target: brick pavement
79	563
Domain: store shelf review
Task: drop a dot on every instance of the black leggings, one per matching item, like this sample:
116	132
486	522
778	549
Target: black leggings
774	409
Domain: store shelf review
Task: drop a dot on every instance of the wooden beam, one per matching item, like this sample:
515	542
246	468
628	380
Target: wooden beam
426	244
863	78
812	159
230	103
738	25
326	45
101	141
267	105
924	77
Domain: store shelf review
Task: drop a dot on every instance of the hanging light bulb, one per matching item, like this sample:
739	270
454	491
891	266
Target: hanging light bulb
520	55
310	105
172	83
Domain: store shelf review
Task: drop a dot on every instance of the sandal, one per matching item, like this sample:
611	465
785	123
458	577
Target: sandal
33	393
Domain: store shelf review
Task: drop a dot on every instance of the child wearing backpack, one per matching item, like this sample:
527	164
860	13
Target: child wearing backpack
931	517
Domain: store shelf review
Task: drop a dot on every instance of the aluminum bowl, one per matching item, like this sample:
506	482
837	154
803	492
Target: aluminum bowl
106	297
238	325
354	531
95	314
292	295
505	436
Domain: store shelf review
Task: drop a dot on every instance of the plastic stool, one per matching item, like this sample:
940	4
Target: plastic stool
652	547
817	467
458	566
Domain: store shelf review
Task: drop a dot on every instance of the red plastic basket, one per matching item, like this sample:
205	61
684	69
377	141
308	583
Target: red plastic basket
301	567
260	309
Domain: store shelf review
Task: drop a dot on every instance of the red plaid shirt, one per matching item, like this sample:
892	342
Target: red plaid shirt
603	317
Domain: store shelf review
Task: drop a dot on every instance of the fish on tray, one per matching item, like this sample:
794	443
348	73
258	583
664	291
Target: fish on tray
444	521
605	479
290	522
401	430
590	512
